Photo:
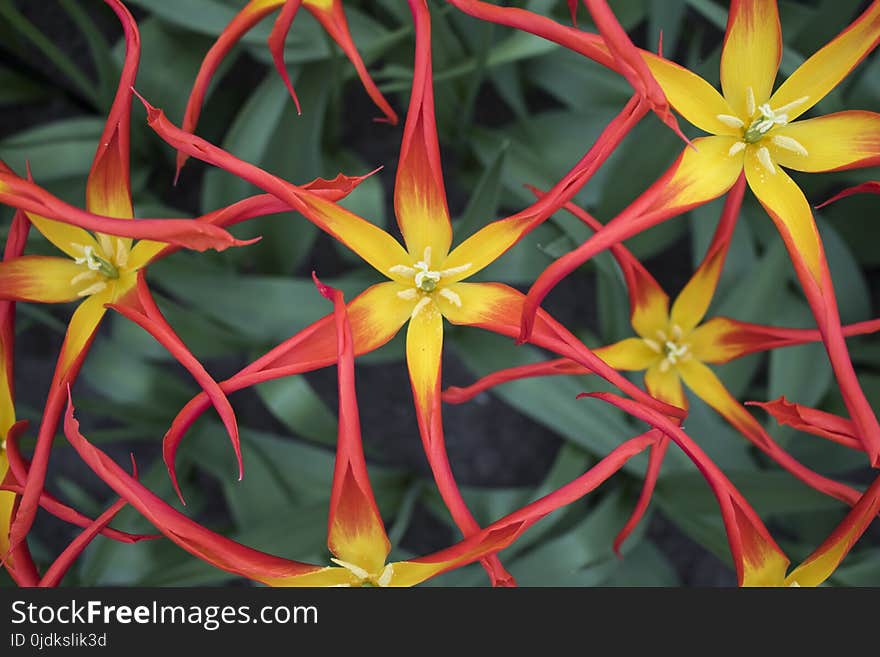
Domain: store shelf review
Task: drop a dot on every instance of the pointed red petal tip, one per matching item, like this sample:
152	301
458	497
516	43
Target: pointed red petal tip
870	187
153	113
326	291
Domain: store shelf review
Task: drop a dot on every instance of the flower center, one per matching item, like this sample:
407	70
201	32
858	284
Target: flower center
426	281
96	263
670	346
382	579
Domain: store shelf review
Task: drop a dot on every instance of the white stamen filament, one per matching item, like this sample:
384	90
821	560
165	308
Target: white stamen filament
452	271
408	294
451	296
790	106
83	276
738	147
750	101
403	270
765	160
676	332
386	576
730	121
92	289
357	571
790	144
424	301
121	253
653	345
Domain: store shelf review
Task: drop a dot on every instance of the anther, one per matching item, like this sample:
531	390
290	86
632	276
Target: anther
738	147
92	289
730	121
790	144
765	159
451	296
424	301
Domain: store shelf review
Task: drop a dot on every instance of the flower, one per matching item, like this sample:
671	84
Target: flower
676	345
329	14
425	279
356	533
756	132
104	270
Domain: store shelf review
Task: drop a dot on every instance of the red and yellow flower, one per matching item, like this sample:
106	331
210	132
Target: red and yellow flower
674	345
754	131
426	279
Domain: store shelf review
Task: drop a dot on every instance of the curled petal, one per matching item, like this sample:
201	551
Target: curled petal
141	309
375	316
356	533
758	560
330	15
192	537
366	239
655	462
811	420
870	187
505	531
699	175
251	14
187	233
496	307
457	395
819	566
710	389
490	242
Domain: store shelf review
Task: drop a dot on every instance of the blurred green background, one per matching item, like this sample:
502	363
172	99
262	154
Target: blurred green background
512	109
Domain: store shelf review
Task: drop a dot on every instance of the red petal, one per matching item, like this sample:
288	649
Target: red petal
811	420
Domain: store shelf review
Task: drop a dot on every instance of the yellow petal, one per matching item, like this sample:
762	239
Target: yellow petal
369	241
70	239
629	354
324	577
785	203
703	173
827	143
750	59
715	341
694	98
649	305
43	279
693	301
665	385
485	246
143	252
6	501
424	347
821	564
82	327
708	387
826	68
356	533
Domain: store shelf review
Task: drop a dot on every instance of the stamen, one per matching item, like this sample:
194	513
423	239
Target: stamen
408	294
92	289
451	296
661	335
424	301
386	576
106	242
665	365
358	572
730	121
427	256
427	280
750	101
765	160
790	144
736	148
653	345
785	108
676	332
403	270
452	271
89	259
121	253
83	276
